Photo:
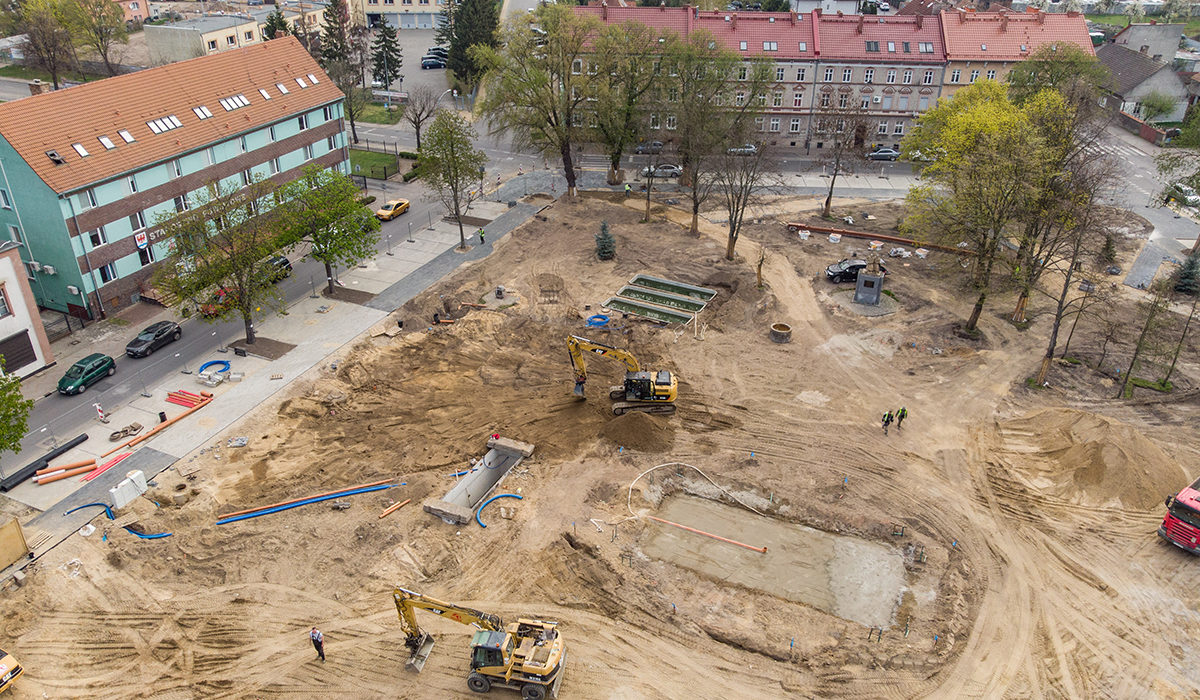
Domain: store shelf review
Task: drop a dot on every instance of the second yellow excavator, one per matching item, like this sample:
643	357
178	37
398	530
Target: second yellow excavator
644	391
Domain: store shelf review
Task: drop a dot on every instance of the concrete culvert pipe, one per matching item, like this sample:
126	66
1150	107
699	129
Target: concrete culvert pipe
781	333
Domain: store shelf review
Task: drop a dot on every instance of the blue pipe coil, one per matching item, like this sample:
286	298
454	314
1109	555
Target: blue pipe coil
210	363
485	504
305	502
597	321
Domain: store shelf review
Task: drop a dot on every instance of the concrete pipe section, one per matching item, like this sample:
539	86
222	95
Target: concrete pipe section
458	505
781	333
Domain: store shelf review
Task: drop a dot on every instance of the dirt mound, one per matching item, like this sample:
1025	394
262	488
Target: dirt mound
1089	459
640	431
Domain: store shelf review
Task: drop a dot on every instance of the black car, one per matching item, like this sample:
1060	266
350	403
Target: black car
278	267
884	154
650	147
154	337
432	62
847	270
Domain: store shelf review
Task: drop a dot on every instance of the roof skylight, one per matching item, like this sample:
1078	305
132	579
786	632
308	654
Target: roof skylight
202	112
264	94
106	142
80	149
301	83
313	79
128	137
282	89
164	124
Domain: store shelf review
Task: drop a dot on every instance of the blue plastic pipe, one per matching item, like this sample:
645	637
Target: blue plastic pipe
305	502
485	504
109	513
210	363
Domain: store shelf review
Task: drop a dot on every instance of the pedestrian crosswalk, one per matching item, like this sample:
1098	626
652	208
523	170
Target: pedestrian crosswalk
591	161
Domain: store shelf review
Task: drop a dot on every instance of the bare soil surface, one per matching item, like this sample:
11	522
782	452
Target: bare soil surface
1022	521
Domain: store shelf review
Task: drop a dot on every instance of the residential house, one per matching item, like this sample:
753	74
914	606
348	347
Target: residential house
1158	41
135	10
300	16
986	45
1135	76
200	36
23	342
85	171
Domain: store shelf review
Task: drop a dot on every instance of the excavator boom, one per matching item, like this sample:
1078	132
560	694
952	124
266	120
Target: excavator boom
646	392
576	347
418	641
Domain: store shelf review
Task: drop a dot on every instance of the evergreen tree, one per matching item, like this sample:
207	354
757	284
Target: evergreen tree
335	33
1188	281
385	54
474	22
275	24
444	34
1108	254
606	245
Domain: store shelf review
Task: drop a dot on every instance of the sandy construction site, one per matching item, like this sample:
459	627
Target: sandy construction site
1001	544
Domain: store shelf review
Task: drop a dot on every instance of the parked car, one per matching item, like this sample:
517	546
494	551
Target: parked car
884	154
278	268
152	338
432	62
651	147
662	170
436	51
847	270
1183	193
394	208
746	149
85	373
885	7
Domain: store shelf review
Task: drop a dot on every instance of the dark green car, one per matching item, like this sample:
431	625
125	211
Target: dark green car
85	373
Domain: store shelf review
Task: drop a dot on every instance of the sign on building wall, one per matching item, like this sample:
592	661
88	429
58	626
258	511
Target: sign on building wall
141	239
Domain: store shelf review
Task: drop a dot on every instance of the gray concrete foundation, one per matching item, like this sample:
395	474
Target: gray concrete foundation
458	505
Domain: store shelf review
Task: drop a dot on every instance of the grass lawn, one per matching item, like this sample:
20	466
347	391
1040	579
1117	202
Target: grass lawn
377	165
14	70
378	114
1190	28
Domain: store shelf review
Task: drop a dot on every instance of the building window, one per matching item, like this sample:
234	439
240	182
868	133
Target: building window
795	125
577	66
891	47
798	99
29	270
231	40
779	75
176	169
327	113
673	95
274	166
742	45
841	126
923	104
887	102
302	121
4	310
743	72
869	75
903	103
829	75
331	143
4	201
991	75
843	100
247	178
146	255
873	46
955	75
181	203
740	99
249	36
671	122
654	124
974	75
882	130
777	100
908	77
308	151
87	200
847	75
107	273
891	76
242	144
925	47
800	75
899	130
761	123
97	237
131	182
927	79
212	45
825	99
775	124
770	46
137	220
803	46
271	133
866	101
14	233
907	47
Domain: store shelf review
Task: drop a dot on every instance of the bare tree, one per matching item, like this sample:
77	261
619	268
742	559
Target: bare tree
47	39
626	54
1182	339
420	108
840	132
98	25
738	180
1154	309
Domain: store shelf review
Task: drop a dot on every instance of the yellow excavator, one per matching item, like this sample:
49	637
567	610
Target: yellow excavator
648	392
527	655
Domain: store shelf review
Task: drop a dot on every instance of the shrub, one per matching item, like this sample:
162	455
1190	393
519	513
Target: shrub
606	245
408	154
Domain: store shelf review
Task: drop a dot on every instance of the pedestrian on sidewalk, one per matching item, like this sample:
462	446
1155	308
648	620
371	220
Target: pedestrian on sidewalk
887	420
480	235
900	416
318	641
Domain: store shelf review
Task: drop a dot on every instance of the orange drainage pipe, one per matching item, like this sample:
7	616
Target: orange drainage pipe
390	509
104	467
160	426
443	320
72	465
305	498
760	550
55	476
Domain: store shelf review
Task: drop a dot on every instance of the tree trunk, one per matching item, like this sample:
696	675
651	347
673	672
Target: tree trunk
1071	333
975	313
985	277
568	162
108	66
248	321
731	243
329	277
462	236
648	187
353	128
828	211
417	128
1137	351
1058	316
1182	338
1018	315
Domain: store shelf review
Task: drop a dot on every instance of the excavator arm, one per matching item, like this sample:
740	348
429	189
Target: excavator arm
418	640
576	347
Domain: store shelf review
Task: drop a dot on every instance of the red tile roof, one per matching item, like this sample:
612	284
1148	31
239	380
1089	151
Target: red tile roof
82	114
788	30
845	37
1010	36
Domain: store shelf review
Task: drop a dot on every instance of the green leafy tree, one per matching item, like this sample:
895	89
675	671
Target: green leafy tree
47	39
475	23
1176	10
776	6
385	54
14	411
537	87
989	160
453	165
222	243
606	245
626	94
321	209
444	31
276	26
1078	75
1155	105
1108	251
98	25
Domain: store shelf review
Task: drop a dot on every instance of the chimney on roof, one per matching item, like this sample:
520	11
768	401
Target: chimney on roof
1072	13
861	19
1003	22
793	14
662	6
733	21
920	21
603	10
839	14
37	87
1041	18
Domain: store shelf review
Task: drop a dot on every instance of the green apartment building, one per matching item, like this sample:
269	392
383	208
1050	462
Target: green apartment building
85	171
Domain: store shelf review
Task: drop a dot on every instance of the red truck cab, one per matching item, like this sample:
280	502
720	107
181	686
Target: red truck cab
1181	524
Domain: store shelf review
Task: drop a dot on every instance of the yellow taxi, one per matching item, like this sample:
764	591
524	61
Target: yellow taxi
394	208
10	670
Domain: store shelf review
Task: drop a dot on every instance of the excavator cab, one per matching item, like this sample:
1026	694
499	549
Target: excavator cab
487	649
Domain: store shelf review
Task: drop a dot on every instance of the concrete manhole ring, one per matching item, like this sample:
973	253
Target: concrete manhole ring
781	333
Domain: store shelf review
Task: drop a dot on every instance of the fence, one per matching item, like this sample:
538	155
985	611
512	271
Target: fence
378	146
60	326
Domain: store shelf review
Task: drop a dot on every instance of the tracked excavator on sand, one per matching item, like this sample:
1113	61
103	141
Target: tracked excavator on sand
644	391
527	655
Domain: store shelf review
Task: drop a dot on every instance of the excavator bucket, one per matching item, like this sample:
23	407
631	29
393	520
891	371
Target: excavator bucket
579	389
416	662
